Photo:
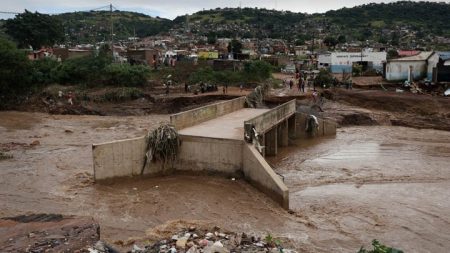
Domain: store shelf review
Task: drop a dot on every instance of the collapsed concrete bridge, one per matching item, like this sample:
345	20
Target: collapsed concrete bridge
213	141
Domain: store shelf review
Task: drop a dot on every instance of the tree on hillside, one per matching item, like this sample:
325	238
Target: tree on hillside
235	46
330	41
391	54
211	38
342	39
14	72
35	29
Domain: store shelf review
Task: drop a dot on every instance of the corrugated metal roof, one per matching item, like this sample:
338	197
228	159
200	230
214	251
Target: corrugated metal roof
444	55
423	56
408	52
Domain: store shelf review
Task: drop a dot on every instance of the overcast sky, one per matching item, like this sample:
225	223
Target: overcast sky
173	8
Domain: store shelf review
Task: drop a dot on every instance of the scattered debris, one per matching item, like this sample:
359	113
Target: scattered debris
4	156
163	143
35	143
447	92
48	233
312	124
256	97
203	241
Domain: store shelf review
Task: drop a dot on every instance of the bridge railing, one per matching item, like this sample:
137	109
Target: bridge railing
193	117
268	120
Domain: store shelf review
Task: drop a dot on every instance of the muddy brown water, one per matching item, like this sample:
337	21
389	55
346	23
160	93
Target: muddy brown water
388	183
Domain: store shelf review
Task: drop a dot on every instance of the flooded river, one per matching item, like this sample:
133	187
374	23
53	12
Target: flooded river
388	183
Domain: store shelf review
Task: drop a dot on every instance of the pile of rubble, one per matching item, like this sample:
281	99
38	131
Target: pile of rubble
194	241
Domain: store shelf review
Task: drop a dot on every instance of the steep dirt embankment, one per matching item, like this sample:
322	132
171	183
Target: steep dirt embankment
357	107
104	104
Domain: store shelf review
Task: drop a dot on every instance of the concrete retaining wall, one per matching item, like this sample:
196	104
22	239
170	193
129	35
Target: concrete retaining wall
259	173
326	127
209	154
123	158
268	120
119	158
193	117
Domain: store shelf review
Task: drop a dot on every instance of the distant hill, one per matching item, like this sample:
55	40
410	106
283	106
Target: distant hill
404	23
426	17
247	22
94	26
376	22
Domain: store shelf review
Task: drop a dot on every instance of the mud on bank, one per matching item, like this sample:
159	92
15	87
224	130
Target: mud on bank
120	101
371	107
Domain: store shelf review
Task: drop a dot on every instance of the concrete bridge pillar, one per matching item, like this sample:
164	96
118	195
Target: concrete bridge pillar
292	127
283	133
271	141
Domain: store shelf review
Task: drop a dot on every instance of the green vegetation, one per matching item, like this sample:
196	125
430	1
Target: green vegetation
391	54
330	41
94	26
254	71
4	156
324	79
357	70
35	29
386	23
15	72
379	248
125	75
366	22
19	77
235	46
120	94
430	17
274	24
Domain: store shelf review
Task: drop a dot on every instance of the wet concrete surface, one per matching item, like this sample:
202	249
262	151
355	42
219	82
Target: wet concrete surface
229	126
388	183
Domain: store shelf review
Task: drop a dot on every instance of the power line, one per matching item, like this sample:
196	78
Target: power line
9	12
99	8
106	8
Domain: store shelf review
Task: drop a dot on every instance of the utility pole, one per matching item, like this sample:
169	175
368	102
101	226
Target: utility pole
112	29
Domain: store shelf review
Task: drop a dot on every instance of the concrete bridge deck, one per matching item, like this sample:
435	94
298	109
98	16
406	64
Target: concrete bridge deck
229	126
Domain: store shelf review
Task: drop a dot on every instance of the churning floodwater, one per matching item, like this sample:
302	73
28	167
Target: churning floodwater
386	183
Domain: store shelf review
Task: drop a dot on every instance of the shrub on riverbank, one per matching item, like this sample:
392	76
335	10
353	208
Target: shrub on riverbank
15	73
254	71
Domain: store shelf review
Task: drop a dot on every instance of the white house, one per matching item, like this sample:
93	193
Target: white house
408	68
438	69
324	60
343	61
